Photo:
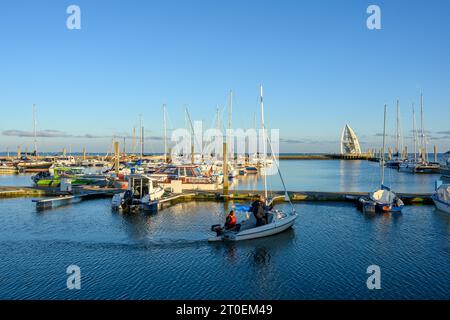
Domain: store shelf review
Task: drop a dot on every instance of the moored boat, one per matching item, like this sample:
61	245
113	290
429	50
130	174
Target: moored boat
251	170
382	199
142	194
8	167
76	175
441	197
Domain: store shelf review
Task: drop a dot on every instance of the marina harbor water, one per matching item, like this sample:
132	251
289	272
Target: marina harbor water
166	255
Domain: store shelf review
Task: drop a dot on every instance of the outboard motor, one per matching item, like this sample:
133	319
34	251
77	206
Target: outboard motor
217	228
127	200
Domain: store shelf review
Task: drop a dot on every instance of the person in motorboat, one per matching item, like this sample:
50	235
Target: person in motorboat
259	210
231	221
230	224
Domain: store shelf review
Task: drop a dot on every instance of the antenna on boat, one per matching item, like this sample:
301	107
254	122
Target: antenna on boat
382	149
264	140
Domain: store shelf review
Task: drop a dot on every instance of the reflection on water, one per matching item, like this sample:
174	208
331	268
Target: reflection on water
313	175
166	255
338	175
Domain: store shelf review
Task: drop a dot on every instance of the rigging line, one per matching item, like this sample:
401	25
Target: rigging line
286	194
192	129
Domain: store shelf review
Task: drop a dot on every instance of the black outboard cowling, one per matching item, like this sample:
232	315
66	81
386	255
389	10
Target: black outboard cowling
217	228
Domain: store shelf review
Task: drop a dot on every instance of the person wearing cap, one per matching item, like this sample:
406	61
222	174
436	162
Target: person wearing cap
258	209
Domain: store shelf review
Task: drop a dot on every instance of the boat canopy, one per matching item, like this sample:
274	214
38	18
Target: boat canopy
383	196
242	208
444	192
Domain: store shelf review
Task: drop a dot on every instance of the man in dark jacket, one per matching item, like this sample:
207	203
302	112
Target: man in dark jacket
259	211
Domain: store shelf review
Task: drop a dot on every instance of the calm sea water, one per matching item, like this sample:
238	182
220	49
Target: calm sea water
314	175
166	255
338	175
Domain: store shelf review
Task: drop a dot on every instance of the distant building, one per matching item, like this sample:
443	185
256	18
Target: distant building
349	141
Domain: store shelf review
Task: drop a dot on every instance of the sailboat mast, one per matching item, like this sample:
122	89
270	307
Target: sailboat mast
384	146
185	118
398	128
141	136
230	114
217	118
34	130
134	140
424	139
264	140
165	133
414	133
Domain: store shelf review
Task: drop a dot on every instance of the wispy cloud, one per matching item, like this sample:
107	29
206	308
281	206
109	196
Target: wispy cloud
42	133
388	135
292	140
62	134
305	141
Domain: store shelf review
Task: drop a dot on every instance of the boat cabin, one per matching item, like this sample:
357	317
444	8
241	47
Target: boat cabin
186	173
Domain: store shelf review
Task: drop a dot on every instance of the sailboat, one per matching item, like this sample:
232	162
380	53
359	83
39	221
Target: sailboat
420	164
441	197
397	159
383	199
277	220
141	194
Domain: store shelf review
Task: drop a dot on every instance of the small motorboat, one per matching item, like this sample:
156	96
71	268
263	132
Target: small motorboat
441	197
278	221
142	194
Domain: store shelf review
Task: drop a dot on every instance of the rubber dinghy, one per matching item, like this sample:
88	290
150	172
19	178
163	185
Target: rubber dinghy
278	221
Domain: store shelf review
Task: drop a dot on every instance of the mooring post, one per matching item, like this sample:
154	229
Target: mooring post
84	154
192	154
116	154
435	153
19	152
225	169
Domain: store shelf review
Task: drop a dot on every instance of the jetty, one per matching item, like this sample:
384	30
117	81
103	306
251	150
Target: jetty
53	198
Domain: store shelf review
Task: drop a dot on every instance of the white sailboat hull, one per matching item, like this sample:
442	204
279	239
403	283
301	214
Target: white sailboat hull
441	204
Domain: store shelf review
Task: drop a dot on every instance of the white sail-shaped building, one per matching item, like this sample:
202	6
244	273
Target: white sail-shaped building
349	141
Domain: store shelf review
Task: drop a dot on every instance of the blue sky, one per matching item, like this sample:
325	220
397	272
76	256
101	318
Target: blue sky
320	66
